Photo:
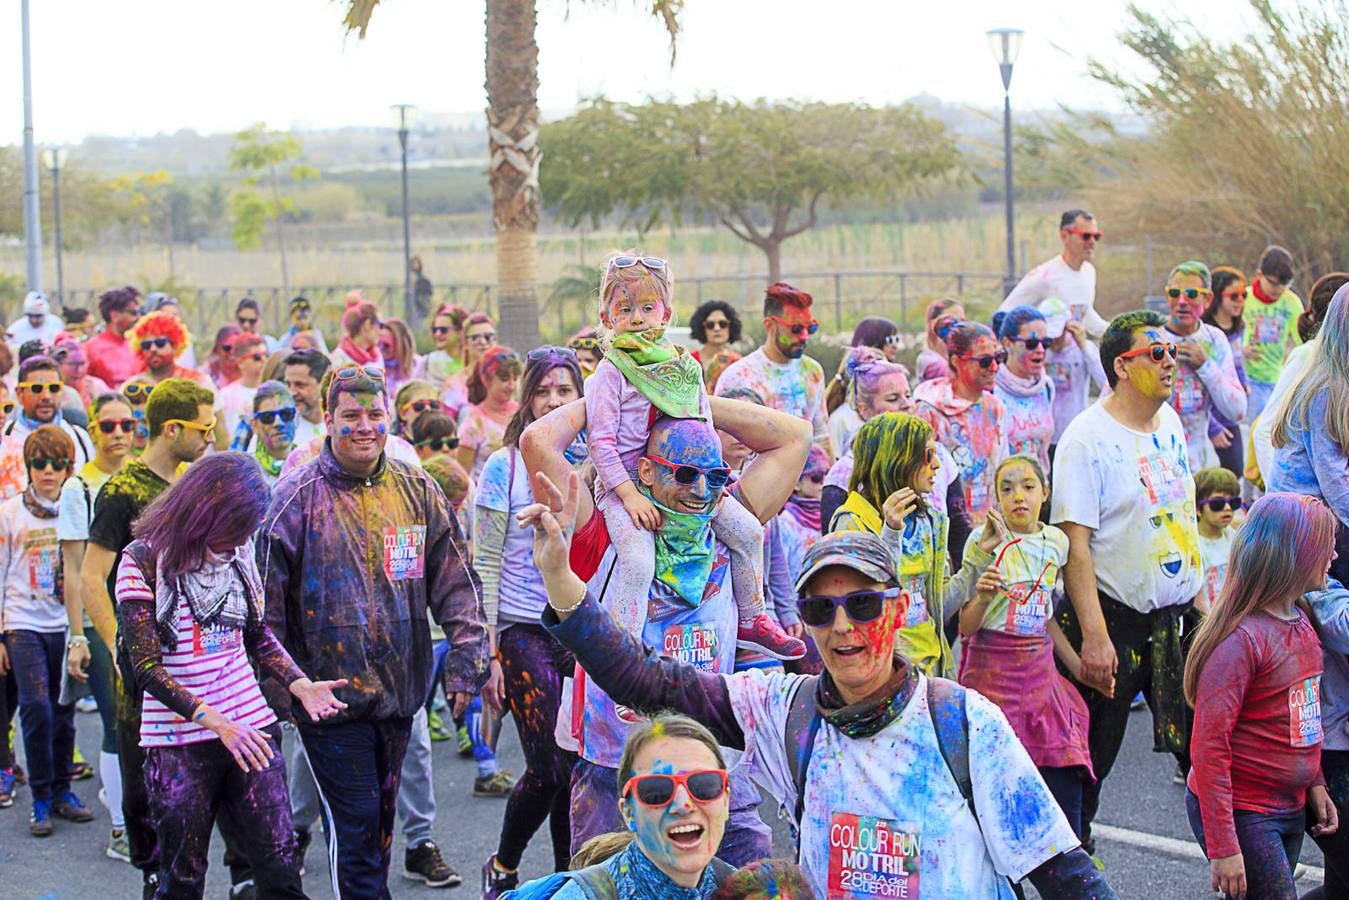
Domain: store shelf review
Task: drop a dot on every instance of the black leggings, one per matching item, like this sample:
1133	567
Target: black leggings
534	665
1335	767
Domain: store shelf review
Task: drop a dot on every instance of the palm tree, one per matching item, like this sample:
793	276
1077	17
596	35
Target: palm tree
513	136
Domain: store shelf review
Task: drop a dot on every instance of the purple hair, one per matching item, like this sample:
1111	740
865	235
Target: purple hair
219	501
866	377
817	461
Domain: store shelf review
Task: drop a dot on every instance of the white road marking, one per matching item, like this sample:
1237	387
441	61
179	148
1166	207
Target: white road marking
1175	847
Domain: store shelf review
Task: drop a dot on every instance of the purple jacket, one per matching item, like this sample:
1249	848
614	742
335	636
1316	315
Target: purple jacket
350	568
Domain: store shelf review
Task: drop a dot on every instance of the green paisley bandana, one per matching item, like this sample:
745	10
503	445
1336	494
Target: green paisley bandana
662	372
684	551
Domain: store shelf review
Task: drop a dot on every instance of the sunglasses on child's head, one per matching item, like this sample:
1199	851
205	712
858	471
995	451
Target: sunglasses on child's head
860	607
626	262
285	414
656	791
717	476
1221	504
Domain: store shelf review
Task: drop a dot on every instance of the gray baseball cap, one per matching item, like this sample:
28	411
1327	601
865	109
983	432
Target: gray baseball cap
859	550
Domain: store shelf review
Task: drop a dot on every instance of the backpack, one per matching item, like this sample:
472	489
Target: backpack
953	736
595	882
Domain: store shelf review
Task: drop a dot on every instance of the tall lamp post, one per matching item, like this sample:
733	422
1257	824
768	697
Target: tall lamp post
404	114
32	221
1006	44
54	158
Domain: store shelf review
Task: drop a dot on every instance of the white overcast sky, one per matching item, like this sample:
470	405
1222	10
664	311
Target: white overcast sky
148	66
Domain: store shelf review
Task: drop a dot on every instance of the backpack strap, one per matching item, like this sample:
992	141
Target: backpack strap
596	883
946	706
798	737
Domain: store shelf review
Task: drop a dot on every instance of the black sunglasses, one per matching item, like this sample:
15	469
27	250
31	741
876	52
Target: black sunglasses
1221	504
286	414
987	360
860	606
40	463
440	444
441	329
242	320
160	342
1032	343
420	406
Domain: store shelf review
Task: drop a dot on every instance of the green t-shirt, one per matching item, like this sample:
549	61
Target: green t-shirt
1269	328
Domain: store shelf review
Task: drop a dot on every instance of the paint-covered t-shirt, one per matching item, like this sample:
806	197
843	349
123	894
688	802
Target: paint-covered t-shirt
117	506
234	404
521	595
975	434
1030	566
1270	328
883	816
483	433
30	561
1073	370
1213	556
1136	492
796	387
1029	408
1197	393
916	636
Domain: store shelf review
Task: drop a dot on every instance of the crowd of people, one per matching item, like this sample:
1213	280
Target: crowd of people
914	605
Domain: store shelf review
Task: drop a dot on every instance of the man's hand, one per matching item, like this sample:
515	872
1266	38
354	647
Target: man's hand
77	660
898	506
317	697
1192	353
1229	875
1323	809
1099	663
459	701
494	692
1078	333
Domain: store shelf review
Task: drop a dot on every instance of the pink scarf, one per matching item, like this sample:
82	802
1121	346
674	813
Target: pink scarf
358	356
805	512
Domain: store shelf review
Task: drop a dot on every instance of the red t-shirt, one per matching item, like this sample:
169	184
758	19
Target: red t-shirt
1257	735
111	358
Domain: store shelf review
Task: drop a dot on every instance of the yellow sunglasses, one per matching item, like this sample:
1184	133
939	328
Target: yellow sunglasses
195	426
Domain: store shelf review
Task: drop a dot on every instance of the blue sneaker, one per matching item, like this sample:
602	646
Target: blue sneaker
69	807
40	822
7	785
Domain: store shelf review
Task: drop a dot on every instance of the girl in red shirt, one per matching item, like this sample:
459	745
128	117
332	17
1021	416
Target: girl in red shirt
1254	679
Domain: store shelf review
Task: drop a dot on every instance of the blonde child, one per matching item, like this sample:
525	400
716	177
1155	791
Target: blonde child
1010	637
644	376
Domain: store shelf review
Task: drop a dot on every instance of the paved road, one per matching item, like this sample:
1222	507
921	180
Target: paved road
1150	853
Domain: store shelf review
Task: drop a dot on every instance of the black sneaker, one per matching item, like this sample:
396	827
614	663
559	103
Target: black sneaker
424	863
495	882
149	885
303	838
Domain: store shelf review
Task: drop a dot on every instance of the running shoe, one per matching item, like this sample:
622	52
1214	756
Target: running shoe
424	863
69	807
7	788
499	785
1178	777
82	770
436	725
40	821
19	774
86	704
496	882
119	847
303	838
465	742
767	637
1139	702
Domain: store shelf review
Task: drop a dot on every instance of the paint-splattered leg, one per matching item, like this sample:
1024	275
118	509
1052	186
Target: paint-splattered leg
737	528
185	785
140	820
260	802
635	549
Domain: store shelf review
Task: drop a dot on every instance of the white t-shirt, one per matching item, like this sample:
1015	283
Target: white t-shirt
1054	278
1136	492
234	402
844	424
869	802
1213	555
21	330
521	596
30	561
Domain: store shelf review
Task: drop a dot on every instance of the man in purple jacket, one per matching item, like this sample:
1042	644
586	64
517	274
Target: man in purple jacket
355	549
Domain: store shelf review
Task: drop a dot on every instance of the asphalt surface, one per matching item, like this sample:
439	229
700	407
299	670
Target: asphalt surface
1139	800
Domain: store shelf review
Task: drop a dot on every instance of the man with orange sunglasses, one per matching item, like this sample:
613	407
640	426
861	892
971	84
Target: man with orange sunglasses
1070	276
779	371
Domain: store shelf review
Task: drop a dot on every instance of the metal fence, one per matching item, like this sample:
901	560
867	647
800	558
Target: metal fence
841	298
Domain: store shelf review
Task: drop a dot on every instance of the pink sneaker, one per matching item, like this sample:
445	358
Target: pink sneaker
628	716
767	637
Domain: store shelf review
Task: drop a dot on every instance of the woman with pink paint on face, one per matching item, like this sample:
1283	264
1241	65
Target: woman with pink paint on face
70	356
1026	391
970	422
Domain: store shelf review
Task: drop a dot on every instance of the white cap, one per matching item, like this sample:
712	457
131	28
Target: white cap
1056	315
35	304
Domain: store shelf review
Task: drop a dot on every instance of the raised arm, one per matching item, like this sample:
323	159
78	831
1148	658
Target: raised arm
781	442
542	445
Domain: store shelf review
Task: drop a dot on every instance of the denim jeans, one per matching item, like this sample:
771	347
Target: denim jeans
1270	846
37	658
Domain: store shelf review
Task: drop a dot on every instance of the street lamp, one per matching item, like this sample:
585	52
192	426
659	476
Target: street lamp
404	114
53	158
1006	44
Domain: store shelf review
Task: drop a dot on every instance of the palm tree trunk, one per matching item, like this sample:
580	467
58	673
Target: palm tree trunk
513	130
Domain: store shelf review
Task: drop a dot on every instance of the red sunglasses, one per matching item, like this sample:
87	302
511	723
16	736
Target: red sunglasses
704	786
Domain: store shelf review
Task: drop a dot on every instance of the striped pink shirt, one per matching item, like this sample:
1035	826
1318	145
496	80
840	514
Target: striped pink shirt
211	663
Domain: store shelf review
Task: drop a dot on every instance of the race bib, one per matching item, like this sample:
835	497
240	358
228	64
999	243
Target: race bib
916	612
404	551
1188	396
43	564
693	643
871	857
214	639
1304	712
1026	610
1163	478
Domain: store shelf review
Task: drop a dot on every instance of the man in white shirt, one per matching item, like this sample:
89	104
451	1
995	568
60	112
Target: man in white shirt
37	323
1070	276
1124	494
303	371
